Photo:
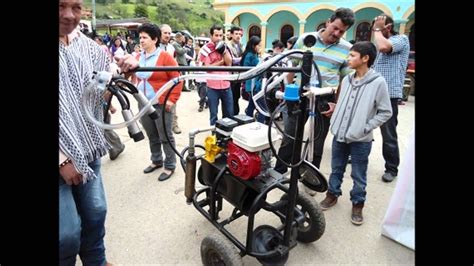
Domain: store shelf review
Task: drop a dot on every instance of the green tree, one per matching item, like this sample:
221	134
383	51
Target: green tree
141	11
179	14
163	12
104	2
121	10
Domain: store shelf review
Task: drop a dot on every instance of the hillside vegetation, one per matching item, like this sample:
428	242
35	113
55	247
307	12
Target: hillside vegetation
196	16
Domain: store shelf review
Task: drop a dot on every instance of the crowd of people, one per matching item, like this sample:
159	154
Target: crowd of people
369	77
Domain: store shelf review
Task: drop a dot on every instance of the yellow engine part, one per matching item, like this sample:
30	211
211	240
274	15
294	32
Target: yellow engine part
211	148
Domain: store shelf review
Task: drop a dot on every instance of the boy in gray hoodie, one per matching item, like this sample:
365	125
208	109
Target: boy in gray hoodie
363	105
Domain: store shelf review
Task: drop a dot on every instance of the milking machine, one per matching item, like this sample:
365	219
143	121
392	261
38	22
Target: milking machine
236	163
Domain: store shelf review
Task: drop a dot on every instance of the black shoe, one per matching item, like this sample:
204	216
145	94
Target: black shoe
200	108
165	176
114	154
152	168
388	177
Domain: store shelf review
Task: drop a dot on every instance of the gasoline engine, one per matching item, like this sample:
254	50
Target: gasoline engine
242	145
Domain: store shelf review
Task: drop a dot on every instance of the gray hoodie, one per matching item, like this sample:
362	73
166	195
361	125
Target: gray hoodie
363	105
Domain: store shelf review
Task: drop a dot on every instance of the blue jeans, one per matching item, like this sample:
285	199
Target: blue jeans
157	139
227	99
359	152
82	211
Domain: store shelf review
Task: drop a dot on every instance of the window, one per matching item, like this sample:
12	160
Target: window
286	32
363	32
254	31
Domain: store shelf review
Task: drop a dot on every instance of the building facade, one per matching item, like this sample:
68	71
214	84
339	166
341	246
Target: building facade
281	20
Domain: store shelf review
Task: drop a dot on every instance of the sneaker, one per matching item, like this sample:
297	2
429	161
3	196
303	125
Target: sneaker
114	154
328	202
388	177
176	130
356	216
200	108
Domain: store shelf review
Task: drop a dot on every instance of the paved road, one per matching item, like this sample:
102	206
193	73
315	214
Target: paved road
149	222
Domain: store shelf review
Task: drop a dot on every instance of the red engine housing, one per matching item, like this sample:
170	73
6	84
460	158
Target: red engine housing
242	163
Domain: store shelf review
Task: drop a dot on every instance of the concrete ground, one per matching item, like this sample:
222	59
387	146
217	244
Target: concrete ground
149	222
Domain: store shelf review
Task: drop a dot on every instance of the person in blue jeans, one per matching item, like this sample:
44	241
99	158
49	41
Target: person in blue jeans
391	62
363	105
82	203
250	58
217	90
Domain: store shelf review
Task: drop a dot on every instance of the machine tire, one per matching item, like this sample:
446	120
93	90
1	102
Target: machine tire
267	238
315	223
218	250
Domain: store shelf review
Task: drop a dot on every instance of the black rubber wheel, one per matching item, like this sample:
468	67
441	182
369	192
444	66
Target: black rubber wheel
218	250
315	224
267	238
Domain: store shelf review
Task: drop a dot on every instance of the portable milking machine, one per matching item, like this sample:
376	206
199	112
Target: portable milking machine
236	164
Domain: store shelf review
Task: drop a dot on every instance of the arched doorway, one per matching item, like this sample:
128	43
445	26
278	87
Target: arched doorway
286	32
321	26
255	30
317	19
363	32
411	37
281	25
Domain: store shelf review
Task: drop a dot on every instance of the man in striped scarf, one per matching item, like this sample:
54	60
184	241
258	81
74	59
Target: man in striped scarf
82	204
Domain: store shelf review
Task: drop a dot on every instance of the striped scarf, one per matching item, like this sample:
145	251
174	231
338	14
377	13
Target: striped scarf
207	49
79	139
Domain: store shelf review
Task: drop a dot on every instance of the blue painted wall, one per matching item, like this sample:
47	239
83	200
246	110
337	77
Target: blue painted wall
397	8
317	18
277	20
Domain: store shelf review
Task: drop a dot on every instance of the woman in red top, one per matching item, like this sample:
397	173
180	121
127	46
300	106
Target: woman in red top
149	83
